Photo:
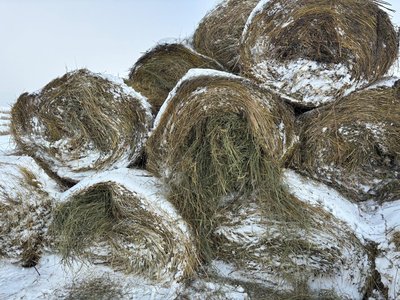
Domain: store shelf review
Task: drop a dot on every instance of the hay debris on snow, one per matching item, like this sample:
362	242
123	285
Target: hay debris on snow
219	32
26	204
316	50
120	218
323	258
82	123
158	71
354	144
220	136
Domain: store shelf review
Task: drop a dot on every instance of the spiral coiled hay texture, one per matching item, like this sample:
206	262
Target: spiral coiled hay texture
354	144
25	210
219	32
220	136
82	123
157	72
315	50
317	262
120	219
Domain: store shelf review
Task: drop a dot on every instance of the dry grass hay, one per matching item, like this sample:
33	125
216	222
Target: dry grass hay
82	123
99	288
316	50
158	71
120	219
218	34
320	261
219	136
25	209
354	144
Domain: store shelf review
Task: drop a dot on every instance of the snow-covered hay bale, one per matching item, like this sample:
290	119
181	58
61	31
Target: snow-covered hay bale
119	218
316	50
354	144
82	123
157	72
323	260
217	136
25	209
219	32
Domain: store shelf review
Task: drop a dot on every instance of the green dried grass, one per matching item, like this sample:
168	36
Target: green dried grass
355	33
157	72
354	141
221	143
109	216
79	108
219	32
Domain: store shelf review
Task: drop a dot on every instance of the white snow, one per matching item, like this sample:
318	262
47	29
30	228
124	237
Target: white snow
190	75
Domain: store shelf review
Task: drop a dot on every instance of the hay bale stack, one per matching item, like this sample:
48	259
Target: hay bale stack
322	260
82	123
158	71
315	50
25	209
219	136
354	144
219	32
119	218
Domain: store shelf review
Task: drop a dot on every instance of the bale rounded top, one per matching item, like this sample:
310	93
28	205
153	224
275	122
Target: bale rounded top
204	94
158	70
120	218
354	144
219	32
316	50
82	123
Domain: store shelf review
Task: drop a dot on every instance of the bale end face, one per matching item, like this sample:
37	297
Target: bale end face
81	123
315	51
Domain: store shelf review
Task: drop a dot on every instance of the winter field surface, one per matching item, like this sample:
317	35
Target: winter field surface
375	225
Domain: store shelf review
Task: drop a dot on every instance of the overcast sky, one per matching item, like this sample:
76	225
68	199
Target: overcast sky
42	39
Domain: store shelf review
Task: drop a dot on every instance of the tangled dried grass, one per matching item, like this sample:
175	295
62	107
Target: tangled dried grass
218	34
100	288
220	136
354	144
158	71
119	219
288	259
315	50
81	123
25	210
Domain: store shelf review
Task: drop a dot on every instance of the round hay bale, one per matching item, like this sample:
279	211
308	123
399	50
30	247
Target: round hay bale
219	32
25	209
82	123
323	260
119	218
354	144
158	70
217	136
315	50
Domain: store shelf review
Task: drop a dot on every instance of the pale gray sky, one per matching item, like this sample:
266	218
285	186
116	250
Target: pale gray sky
42	39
